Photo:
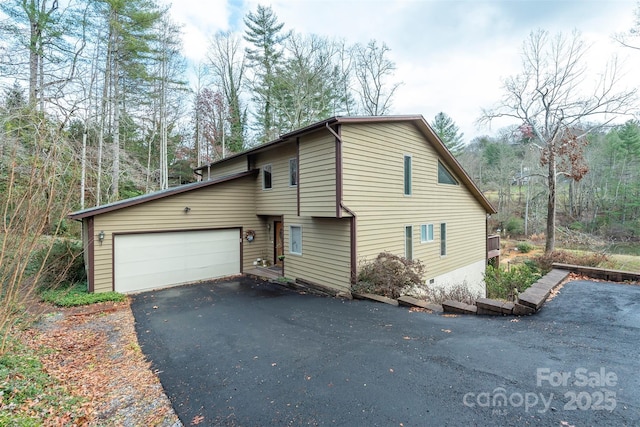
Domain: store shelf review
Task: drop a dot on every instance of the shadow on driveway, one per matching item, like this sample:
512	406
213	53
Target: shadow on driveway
250	353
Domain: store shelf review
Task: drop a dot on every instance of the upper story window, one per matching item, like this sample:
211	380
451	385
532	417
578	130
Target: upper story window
267	177
293	172
444	176
407	175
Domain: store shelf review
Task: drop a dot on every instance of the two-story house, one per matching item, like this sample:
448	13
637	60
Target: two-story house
325	198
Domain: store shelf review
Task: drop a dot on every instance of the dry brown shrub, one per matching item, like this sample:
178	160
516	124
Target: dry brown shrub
591	259
389	274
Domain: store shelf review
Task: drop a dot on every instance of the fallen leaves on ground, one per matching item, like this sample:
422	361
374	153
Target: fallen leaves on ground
96	356
420	310
197	420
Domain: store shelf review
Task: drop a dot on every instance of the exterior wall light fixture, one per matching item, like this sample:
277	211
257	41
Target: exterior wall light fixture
101	236
187	209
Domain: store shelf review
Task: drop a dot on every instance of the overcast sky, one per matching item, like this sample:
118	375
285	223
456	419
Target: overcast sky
451	55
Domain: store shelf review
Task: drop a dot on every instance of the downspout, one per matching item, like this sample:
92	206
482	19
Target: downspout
340	203
353	238
298	176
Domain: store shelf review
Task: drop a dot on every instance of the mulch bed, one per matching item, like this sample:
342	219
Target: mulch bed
95	354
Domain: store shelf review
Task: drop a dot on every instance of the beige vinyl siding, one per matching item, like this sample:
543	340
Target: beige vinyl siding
326	251
318	175
226	168
373	176
281	198
226	205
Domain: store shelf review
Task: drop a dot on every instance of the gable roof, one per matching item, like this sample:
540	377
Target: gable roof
155	196
417	120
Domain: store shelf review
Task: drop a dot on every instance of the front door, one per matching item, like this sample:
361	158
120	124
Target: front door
278	242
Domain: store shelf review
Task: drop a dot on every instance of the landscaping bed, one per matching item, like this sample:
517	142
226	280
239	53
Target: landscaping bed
91	357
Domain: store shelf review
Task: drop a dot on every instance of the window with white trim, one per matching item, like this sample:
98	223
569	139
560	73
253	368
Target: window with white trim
293	172
408	241
267	177
295	239
407	175
443	239
426	233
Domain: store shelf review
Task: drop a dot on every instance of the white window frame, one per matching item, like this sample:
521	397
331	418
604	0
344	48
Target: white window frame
294	159
426	237
264	170
443	241
408	236
291	241
404	174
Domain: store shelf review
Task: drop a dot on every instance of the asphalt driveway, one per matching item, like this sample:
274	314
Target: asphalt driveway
250	353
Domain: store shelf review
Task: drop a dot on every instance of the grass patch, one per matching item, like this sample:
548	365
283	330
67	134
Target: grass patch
28	395
622	262
77	295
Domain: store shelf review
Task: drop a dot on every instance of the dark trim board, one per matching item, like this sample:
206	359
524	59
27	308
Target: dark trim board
91	255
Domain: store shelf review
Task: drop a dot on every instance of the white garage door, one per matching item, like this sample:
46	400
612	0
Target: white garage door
153	260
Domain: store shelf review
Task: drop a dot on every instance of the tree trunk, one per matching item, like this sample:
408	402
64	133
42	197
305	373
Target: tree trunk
526	213
551	204
115	173
83	172
34	56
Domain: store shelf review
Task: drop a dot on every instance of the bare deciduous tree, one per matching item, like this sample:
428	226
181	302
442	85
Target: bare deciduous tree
553	100
631	38
227	63
38	168
373	69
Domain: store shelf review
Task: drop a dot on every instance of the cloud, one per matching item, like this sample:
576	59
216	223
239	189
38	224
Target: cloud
199	20
452	55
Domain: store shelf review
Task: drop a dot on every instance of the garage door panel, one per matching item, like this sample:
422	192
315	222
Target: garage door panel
153	260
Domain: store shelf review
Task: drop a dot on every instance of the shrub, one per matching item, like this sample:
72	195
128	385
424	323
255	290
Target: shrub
62	264
524	247
60	228
459	292
576	226
389	274
514	226
590	259
502	283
